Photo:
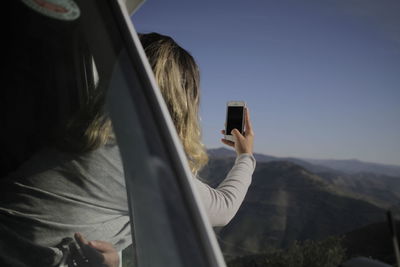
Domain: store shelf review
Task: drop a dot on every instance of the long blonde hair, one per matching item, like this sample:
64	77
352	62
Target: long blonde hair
178	78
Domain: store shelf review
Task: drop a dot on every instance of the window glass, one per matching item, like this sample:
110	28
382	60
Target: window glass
66	167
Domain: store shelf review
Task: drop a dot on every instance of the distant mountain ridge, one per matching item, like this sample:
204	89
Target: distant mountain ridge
351	166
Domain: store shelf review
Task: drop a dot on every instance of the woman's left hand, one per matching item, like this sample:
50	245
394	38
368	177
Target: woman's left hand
243	143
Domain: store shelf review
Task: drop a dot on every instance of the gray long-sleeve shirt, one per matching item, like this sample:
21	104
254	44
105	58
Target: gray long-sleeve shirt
54	195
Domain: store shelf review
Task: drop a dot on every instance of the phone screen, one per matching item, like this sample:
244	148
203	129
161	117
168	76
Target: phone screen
234	119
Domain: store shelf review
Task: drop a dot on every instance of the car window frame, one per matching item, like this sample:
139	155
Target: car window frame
136	54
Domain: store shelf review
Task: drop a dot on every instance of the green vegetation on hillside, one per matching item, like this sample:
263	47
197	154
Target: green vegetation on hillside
309	253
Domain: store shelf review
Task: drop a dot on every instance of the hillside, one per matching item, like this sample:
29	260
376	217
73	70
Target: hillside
286	202
381	189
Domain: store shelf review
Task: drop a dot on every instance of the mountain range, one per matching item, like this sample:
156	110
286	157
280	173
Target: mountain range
294	199
350	166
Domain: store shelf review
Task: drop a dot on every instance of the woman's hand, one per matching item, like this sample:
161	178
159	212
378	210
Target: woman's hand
243	143
110	257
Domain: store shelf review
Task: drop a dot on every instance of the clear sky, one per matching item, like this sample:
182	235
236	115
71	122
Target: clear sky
321	78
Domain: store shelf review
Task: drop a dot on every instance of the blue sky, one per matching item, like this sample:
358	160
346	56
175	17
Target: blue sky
321	78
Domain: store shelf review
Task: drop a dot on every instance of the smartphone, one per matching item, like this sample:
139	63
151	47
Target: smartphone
234	118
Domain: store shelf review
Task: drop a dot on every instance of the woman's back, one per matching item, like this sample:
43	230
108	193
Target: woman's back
55	194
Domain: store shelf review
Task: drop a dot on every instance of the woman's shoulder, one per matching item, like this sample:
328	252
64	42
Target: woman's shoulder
53	163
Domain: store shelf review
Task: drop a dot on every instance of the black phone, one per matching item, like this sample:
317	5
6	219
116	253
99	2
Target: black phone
234	118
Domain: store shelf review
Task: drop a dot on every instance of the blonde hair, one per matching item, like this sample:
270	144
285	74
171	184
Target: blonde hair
178	78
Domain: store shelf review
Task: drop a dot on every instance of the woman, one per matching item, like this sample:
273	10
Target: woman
178	78
78	184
